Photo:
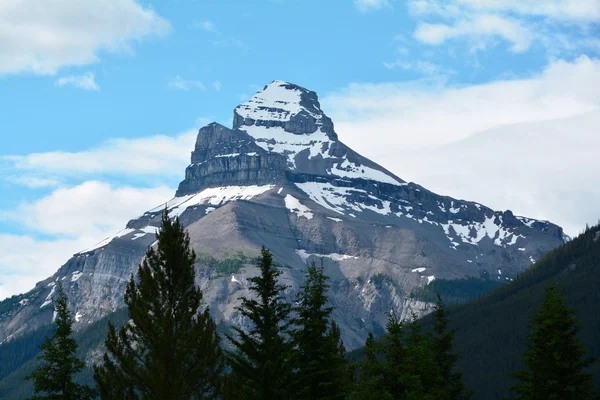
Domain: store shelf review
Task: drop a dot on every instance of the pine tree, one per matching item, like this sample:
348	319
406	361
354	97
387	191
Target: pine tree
555	360
260	361
320	354
371	382
54	378
443	339
168	349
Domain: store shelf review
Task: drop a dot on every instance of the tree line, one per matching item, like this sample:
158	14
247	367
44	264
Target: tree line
170	348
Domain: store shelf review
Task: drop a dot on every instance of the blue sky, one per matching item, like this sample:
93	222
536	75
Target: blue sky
101	101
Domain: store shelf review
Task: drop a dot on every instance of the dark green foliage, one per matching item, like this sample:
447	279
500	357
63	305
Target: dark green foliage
443	343
168	350
321	371
15	387
17	352
491	331
230	264
408	364
456	291
260	359
555	363
53	379
392	366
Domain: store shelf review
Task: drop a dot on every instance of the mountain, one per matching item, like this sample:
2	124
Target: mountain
280	177
491	332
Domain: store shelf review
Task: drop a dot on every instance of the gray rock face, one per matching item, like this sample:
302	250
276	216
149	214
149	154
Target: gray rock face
282	179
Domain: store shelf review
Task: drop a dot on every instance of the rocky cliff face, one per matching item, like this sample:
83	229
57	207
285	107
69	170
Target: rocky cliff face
282	179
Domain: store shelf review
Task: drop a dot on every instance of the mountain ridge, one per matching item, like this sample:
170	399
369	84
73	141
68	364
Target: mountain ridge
281	178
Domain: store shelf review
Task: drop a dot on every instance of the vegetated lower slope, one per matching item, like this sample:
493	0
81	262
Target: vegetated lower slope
491	332
24	350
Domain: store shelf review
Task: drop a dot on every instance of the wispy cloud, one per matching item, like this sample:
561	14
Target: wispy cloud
86	81
206	25
480	23
477	29
178	83
156	156
421	66
371	5
70	33
34	182
217	85
219	39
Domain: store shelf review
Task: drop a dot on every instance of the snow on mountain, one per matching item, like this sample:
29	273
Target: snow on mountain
282	178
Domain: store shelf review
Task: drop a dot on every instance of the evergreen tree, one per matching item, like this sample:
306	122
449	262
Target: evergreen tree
555	360
384	374
443	338
371	379
260	362
320	354
168	349
53	380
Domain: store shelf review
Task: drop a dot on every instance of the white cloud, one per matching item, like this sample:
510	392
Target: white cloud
423	130
42	38
86	81
520	22
217	85
562	10
157	156
477	28
370	5
179	83
77	218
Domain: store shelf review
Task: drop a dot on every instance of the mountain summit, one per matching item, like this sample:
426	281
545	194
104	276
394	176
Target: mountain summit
281	178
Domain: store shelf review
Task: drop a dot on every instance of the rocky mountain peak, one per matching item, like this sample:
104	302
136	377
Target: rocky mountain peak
282	104
281	178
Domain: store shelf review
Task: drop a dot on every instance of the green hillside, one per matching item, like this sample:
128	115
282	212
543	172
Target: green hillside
492	330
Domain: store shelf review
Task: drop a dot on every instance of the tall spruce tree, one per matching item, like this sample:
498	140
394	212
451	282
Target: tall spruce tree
169	349
443	340
261	358
319	352
370	383
53	380
384	374
555	362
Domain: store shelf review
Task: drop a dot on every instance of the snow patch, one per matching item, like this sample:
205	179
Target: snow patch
335	219
430	279
304	255
78	316
49	297
75	276
294	205
420	269
348	169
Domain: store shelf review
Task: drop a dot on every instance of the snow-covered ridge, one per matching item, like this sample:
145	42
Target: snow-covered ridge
278	101
212	196
350	201
215	196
